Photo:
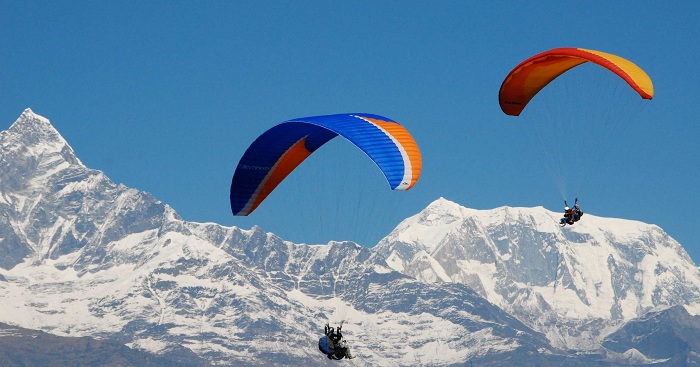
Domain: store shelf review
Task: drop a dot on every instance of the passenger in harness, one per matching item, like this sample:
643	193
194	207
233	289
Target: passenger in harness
333	345
571	216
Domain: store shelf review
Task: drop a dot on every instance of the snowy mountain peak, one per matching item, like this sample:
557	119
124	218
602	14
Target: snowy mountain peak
47	194
28	114
442	206
38	139
30	122
447	211
522	260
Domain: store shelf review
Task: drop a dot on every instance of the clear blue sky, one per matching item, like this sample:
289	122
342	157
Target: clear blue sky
165	96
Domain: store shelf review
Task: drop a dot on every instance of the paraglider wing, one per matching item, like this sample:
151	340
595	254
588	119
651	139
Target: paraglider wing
278	151
533	74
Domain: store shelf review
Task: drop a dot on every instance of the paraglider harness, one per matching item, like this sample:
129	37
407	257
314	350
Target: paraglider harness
571	216
331	343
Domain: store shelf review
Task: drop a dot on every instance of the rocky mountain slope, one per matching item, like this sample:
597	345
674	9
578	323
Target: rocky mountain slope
24	347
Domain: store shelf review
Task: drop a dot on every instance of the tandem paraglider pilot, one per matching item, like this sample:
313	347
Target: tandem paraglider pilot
333	345
571	216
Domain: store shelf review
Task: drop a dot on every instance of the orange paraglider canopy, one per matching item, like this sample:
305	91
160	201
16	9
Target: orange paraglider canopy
533	74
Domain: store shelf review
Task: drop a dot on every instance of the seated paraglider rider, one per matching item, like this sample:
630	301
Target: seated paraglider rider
333	345
577	213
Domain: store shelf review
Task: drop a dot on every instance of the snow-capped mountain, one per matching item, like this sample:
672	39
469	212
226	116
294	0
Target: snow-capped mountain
83	256
576	283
